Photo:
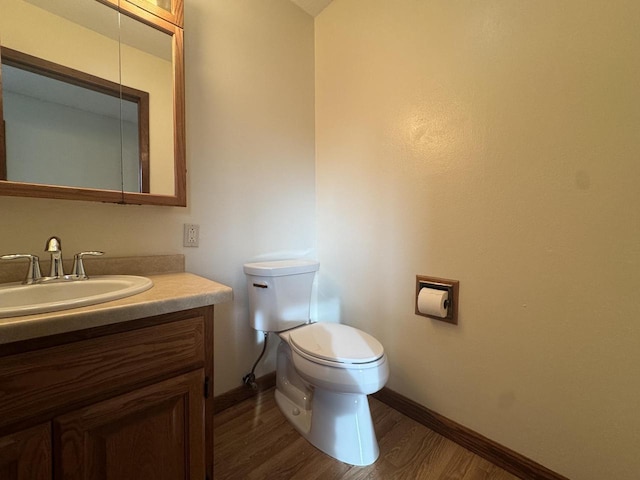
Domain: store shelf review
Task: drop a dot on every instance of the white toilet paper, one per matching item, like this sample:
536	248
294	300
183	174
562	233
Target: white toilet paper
432	302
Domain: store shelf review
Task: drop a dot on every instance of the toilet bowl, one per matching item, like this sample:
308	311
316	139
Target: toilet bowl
324	371
324	394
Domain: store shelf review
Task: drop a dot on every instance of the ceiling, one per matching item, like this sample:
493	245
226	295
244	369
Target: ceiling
312	7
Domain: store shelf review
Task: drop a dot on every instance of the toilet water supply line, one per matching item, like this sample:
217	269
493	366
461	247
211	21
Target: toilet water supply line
250	378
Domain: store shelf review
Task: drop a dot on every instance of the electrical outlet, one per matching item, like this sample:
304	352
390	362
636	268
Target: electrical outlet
191	235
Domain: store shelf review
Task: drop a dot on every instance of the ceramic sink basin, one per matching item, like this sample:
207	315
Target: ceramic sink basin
17	299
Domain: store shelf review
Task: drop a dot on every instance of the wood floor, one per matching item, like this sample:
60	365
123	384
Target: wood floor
252	440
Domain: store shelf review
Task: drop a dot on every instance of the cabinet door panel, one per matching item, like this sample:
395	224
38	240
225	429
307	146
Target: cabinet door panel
26	455
155	433
40	381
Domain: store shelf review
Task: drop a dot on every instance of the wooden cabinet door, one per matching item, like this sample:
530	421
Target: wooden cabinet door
154	433
26	455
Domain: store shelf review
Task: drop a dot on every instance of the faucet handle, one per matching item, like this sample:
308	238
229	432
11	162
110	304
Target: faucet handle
78	265
54	244
33	275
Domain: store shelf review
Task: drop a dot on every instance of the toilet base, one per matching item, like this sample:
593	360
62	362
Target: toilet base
338	424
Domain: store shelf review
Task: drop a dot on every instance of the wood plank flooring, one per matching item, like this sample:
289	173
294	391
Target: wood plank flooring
252	440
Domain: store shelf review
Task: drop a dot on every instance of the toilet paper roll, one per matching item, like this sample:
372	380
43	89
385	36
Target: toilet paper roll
433	302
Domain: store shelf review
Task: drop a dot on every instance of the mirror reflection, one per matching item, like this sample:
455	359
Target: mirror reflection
62	130
146	63
63	127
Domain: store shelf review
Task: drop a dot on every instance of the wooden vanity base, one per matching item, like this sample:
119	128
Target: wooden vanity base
129	401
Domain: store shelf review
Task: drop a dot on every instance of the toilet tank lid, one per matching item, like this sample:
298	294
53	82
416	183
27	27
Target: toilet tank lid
281	267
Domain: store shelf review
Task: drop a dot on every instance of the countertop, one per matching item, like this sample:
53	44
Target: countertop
170	293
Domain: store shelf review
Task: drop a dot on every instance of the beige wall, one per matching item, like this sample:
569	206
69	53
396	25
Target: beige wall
250	77
495	143
250	156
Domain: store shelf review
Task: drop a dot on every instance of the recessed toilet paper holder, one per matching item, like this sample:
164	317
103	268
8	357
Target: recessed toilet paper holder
436	283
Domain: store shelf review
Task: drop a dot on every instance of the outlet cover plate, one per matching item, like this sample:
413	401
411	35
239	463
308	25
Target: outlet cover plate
191	236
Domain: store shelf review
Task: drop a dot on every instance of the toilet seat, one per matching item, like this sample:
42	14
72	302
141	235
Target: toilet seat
336	345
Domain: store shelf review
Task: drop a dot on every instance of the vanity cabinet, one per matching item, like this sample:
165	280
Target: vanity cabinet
126	401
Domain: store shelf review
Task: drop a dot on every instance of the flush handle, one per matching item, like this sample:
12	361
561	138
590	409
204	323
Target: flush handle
261	285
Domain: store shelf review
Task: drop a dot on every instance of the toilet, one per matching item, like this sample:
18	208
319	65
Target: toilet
324	371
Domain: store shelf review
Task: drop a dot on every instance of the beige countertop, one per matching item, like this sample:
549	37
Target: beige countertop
171	292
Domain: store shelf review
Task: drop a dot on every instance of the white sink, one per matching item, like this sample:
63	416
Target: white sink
17	299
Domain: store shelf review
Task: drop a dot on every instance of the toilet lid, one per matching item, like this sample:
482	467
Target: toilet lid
337	343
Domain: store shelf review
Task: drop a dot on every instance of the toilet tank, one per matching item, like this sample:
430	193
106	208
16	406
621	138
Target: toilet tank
280	293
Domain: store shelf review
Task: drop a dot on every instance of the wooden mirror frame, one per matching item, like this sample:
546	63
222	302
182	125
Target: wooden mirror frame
20	189
175	15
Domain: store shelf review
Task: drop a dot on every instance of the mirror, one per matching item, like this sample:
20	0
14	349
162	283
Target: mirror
146	63
64	127
93	103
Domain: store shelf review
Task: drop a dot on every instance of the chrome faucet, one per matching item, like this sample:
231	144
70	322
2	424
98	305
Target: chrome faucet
54	246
